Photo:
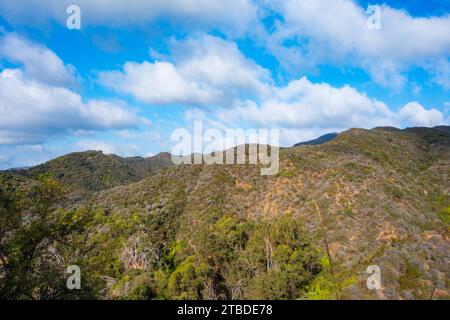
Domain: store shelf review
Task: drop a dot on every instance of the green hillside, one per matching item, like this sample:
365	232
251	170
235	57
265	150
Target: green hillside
379	197
90	171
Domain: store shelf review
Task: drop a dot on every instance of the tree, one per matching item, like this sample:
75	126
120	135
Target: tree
279	260
34	266
9	221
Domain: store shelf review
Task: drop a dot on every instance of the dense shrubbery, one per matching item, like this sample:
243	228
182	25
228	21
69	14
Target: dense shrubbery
225	257
225	232
33	243
237	259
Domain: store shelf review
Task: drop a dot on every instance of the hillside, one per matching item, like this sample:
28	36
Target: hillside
384	196
213	232
90	171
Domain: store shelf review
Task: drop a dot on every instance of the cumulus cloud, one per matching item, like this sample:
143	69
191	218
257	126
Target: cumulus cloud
31	112
414	114
38	62
335	31
318	32
159	83
304	104
303	110
205	70
221	64
229	15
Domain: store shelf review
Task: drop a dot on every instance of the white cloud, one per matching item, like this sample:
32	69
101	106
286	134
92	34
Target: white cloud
304	110
31	112
325	31
217	73
36	105
229	15
386	73
336	31
302	104
415	114
219	63
39	63
206	70
158	83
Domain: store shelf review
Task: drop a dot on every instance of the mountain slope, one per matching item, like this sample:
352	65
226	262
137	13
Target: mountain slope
90	171
383	195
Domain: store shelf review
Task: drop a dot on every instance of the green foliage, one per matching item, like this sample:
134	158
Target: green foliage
377	156
190	233
187	281
286	173
349	212
32	249
329	286
444	215
9	222
228	257
90	171
441	205
410	278
9	211
278	261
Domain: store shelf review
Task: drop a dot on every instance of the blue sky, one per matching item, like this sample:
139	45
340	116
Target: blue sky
137	70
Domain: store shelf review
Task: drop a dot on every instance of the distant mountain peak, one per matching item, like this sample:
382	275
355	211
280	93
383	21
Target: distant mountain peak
320	140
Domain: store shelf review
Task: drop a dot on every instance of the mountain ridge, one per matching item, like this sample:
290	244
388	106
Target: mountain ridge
381	196
91	171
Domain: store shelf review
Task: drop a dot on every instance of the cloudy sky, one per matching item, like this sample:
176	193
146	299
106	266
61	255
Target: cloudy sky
139	69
